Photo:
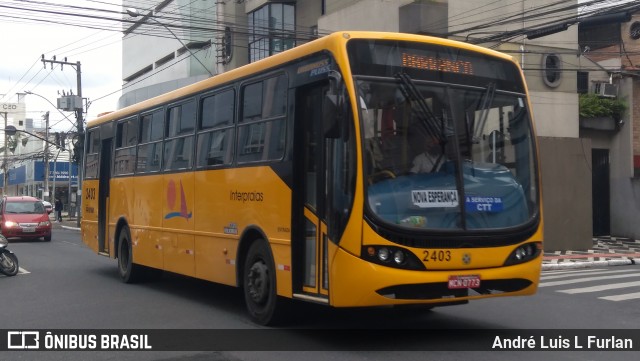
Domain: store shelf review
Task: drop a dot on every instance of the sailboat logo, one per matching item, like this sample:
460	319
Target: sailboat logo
171	202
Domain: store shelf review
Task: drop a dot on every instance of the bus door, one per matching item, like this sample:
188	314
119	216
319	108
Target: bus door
104	177
309	226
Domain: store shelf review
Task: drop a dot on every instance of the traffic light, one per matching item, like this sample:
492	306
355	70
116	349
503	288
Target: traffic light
78	148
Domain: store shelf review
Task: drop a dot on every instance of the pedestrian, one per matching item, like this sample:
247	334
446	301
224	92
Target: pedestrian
58	208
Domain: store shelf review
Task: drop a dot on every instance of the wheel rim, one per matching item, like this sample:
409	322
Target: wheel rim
5	262
258	282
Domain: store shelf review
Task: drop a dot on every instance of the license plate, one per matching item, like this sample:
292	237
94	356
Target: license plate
28	229
472	281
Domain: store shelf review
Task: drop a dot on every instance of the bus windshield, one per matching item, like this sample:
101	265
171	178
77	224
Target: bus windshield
452	154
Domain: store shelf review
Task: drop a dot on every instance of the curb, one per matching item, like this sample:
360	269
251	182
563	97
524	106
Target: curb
70	228
589	264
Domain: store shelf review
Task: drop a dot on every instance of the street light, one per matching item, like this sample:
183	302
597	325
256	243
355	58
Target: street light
10	130
134	14
53	105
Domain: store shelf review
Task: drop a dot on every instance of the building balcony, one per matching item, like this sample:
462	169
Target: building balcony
607	123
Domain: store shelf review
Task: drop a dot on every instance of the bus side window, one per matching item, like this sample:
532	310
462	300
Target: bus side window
126	141
178	147
93	147
261	133
150	148
215	131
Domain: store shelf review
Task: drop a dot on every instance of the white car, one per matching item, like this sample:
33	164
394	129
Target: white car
47	206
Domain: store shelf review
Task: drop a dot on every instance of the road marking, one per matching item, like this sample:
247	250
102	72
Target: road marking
73	244
612	286
586	279
563	272
591	272
20	271
627	296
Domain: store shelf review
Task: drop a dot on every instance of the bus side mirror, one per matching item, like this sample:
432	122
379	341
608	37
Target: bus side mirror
332	106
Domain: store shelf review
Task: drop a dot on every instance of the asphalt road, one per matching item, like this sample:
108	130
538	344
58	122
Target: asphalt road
64	285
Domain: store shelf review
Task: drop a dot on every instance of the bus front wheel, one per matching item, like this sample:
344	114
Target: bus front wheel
259	284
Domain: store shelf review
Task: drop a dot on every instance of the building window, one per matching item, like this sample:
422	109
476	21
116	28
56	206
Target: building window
583	82
271	30
551	70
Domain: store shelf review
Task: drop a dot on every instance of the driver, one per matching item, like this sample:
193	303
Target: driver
430	157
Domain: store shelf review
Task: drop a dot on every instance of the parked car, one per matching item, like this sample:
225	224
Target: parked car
24	217
47	206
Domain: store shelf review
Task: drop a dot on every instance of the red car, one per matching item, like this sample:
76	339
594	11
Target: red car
24	217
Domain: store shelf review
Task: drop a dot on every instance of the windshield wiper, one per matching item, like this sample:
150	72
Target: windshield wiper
485	106
411	92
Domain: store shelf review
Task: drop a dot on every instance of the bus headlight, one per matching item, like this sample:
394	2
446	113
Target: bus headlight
398	257
392	256
383	254
524	253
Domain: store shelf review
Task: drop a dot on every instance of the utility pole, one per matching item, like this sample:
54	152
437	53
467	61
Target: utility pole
46	157
4	160
78	108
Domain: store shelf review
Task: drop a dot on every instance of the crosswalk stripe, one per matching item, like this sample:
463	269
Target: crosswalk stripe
564	275
624	297
612	286
556	272
586	279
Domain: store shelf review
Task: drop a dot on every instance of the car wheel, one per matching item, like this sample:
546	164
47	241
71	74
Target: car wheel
47	238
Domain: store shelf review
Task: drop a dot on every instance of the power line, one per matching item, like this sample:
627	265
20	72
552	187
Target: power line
201	25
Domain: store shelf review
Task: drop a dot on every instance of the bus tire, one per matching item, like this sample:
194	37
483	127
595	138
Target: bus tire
129	272
259	284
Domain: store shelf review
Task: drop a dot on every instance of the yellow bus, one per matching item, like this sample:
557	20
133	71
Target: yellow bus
359	169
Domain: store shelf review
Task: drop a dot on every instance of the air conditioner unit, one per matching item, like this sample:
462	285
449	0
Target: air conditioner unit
606	90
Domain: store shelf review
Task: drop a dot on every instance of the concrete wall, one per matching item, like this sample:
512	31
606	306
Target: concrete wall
555	114
148	92
236	17
566	202
359	15
624	187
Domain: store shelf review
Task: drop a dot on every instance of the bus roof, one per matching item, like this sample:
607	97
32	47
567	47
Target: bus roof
334	42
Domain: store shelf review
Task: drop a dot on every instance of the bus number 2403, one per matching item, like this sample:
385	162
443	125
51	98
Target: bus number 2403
90	193
436	256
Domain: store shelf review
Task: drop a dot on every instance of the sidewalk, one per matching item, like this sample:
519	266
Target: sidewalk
606	251
67	221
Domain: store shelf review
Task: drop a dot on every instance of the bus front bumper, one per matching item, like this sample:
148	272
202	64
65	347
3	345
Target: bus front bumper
361	283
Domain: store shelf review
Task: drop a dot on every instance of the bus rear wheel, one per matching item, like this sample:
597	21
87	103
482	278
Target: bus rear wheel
259	284
129	272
